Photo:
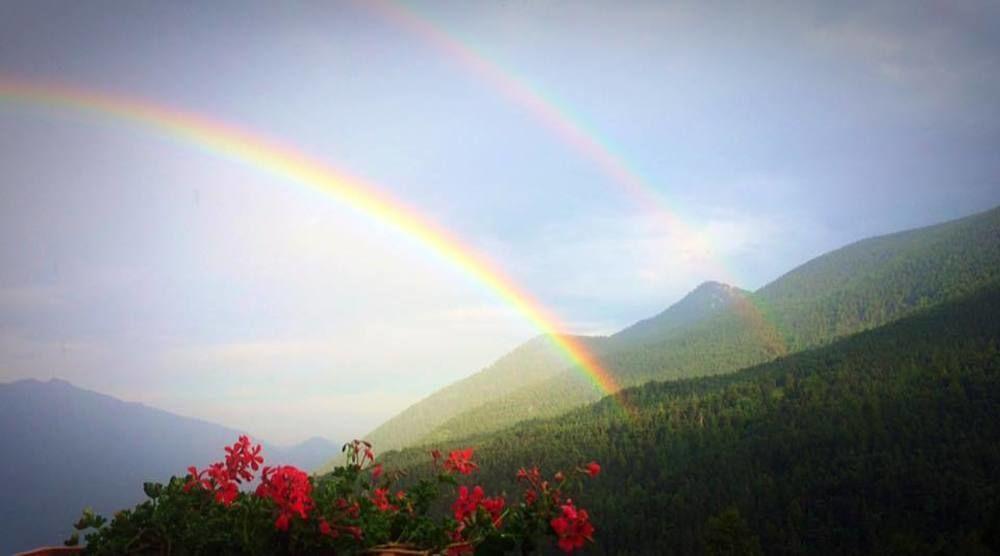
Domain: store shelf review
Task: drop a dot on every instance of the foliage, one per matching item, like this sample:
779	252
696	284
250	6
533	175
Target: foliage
353	509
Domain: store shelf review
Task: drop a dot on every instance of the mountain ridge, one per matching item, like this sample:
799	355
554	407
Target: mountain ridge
76	448
856	287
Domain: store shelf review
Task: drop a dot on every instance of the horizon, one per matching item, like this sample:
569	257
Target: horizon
606	161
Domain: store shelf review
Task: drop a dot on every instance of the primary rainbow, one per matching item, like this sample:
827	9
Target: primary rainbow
283	161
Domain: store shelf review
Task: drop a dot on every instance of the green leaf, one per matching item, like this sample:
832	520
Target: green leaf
152	490
73	540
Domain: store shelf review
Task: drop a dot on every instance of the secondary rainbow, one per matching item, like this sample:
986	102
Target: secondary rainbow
559	120
284	162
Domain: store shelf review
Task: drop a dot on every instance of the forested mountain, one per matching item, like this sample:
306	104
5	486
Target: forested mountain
719	329
530	363
510	384
732	339
885	442
66	448
875	281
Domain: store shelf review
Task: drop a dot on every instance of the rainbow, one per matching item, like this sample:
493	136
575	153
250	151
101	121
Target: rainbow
568	128
282	161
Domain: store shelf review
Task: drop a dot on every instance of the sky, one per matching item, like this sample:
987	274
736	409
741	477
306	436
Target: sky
150	269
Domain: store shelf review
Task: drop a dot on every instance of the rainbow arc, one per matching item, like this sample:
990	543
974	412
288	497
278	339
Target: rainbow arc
284	162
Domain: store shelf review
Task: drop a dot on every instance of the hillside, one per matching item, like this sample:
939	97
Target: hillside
877	280
729	340
66	448
883	442
530	363
855	288
511	382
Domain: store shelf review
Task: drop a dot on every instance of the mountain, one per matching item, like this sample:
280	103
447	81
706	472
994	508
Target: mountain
883	442
66	448
509	386
707	300
719	329
877	280
529	363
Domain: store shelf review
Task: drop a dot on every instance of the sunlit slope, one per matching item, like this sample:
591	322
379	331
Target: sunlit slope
887	441
534	361
855	288
877	280
726	337
537	367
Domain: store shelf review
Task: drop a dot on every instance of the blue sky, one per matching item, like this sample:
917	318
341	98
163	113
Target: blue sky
147	269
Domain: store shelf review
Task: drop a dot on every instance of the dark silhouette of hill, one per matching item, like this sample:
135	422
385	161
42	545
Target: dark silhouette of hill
65	448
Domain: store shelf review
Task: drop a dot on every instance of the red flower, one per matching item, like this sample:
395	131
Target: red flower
573	528
531	476
381	500
592	469
530	496
460	461
215	479
325	529
559	477
467	503
352	509
376	472
354	531
494	506
242	458
290	490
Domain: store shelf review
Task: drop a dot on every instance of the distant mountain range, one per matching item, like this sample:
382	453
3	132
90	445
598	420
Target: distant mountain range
718	328
66	448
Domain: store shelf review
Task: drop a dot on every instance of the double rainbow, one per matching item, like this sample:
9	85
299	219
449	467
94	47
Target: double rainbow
284	162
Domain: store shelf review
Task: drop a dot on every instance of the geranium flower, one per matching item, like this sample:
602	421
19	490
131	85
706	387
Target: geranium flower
494	506
290	490
380	497
467	502
460	461
573	528
242	459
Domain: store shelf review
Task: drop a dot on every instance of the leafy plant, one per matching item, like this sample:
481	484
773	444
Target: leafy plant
353	509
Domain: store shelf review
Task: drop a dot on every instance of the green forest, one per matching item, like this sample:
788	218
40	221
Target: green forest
886	442
719	329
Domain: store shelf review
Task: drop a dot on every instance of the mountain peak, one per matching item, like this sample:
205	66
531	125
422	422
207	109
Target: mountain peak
700	303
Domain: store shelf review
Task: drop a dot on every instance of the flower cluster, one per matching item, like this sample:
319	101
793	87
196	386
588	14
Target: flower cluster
467	505
570	525
573	528
460	461
351	510
290	490
223	478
